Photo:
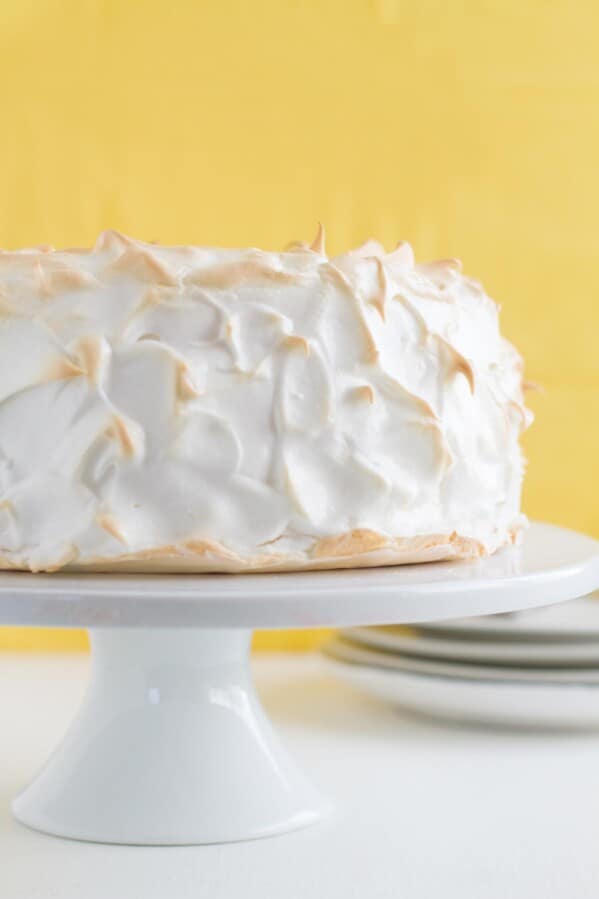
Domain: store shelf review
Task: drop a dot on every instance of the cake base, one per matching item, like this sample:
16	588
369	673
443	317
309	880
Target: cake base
360	548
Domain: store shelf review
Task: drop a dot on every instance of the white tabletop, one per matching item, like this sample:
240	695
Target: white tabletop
423	810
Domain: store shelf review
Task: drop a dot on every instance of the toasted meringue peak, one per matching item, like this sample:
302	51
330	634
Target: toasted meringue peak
202	409
402	254
459	364
113	240
144	265
54	281
294	342
318	244
108	524
61	369
92	351
186	389
380	296
243	272
364	393
119	431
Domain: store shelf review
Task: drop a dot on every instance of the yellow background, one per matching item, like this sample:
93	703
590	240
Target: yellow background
470	129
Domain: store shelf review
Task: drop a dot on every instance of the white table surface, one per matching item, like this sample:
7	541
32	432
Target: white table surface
422	809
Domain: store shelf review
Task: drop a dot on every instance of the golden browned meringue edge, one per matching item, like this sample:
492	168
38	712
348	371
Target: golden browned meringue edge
360	548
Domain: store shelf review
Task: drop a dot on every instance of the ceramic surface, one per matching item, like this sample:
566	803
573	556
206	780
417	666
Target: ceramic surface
356	654
566	634
507	703
170	746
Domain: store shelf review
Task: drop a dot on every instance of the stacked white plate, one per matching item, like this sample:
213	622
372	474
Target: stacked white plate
533	669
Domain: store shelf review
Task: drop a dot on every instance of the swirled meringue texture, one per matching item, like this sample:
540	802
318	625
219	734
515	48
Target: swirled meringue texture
193	409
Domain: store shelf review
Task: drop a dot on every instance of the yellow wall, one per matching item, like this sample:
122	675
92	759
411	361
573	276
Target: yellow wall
469	128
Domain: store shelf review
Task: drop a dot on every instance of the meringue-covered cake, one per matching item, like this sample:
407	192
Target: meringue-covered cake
198	409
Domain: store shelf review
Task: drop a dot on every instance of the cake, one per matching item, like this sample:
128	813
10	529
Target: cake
197	409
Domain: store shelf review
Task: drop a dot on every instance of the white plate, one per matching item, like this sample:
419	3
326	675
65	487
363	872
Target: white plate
566	706
345	651
442	644
577	620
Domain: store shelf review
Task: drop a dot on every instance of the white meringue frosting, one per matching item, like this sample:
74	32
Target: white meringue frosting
186	408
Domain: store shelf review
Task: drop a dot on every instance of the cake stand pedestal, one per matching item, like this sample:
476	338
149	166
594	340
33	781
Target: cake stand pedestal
171	745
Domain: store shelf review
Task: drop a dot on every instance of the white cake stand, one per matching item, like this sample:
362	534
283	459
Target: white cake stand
171	745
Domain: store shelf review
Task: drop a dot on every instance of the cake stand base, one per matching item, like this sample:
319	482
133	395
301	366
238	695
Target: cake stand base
170	746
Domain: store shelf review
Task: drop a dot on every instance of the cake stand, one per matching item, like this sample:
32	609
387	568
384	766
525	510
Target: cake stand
171	745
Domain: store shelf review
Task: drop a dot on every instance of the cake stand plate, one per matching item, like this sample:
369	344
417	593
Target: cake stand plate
171	745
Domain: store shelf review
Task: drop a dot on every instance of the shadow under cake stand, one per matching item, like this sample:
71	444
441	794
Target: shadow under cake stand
171	745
